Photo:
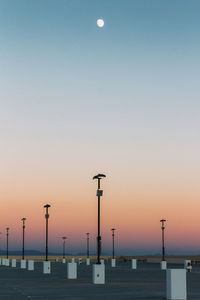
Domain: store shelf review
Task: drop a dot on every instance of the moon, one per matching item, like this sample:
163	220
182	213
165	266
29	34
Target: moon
100	23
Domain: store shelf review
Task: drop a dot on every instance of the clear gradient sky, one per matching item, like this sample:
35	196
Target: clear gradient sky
124	100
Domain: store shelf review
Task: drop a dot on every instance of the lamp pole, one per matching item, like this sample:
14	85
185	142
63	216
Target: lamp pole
23	233
99	194
0	241
88	238
7	233
47	217
113	242
163	238
64	241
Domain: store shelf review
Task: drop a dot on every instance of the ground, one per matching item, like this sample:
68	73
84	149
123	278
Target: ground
147	282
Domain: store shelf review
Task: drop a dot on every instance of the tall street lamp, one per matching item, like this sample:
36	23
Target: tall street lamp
7	233
99	194
23	233
47	217
163	238
64	242
88	249
113	242
0	241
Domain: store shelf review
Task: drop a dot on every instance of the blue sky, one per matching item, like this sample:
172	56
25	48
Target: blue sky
124	98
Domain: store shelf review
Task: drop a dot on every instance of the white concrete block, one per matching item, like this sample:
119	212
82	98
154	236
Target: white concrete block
73	260
113	262
98	274
80	261
46	267
163	265
7	262
176	284
63	260
13	263
23	264
87	261
30	265
72	270
0	261
3	261
134	263
102	261
56	259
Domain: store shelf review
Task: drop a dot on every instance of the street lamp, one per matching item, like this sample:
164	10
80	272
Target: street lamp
23	231
7	233
163	238
0	240
64	241
47	217
99	194
113	242
88	251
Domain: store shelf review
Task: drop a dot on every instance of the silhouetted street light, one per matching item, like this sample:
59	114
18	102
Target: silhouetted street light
113	242
64	241
99	194
163	238
0	241
23	232
88	251
47	217
7	233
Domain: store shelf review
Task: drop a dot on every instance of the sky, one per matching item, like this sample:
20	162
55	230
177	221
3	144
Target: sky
123	100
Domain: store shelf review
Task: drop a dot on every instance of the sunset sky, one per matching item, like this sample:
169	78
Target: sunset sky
124	100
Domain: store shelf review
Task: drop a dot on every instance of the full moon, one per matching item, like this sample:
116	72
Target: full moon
100	23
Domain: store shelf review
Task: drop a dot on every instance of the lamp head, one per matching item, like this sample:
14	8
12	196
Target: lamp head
23	219
7	228
163	220
99	176
47	205
113	229
64	237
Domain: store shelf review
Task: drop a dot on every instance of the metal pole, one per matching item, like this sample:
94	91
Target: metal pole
23	233
113	242
99	194
163	238
47	217
7	229
88	251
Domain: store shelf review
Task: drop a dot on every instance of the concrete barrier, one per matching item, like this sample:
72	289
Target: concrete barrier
73	260
7	262
72	270
163	265
113	262
98	274
13	263
3	262
0	261
23	264
176	284
102	261
134	263
30	265
57	259
46	267
63	260
87	261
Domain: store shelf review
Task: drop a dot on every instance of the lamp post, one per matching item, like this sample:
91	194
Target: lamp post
88	238
64	241
99	194
23	232
0	241
113	242
47	217
163	238
7	233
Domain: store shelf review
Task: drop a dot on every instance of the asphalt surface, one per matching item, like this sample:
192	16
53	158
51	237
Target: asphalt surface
147	282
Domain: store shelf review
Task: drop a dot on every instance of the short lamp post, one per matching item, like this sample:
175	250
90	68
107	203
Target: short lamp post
23	233
163	238
64	244
47	218
7	234
88	240
99	194
113	242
